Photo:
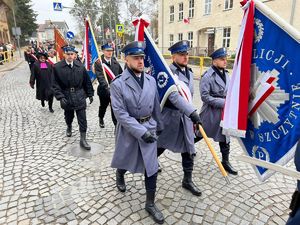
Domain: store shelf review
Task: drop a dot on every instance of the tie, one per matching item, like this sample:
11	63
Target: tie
108	63
70	66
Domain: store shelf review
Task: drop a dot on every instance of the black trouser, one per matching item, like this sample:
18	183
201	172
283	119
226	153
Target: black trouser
104	102
187	160
50	101
81	118
150	182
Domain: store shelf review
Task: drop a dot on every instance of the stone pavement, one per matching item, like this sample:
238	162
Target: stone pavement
46	179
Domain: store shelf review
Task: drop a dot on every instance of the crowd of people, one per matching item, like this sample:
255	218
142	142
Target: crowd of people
6	52
143	131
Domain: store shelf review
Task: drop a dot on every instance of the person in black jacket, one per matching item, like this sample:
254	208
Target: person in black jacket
103	88
72	85
41	72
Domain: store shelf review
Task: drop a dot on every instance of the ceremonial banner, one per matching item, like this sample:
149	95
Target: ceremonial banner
273	123
59	43
90	50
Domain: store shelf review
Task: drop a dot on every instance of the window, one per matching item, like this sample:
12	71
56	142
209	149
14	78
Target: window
180	35
191	8
226	37
190	38
207	7
228	4
171	39
172	13
180	11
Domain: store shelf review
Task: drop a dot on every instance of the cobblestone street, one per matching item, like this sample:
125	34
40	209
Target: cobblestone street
46	179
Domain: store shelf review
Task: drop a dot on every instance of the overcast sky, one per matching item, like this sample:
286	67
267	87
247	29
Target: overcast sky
44	9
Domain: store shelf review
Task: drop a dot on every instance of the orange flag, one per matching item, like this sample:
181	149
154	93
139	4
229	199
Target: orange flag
59	42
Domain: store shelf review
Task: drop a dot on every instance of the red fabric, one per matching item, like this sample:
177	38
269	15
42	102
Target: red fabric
261	100
59	42
88	56
140	24
246	68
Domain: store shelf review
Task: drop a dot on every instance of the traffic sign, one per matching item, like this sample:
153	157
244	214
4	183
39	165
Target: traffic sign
70	35
120	28
57	6
16	31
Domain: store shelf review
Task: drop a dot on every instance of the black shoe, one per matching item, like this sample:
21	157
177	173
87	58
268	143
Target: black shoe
227	166
152	209
188	184
43	103
83	142
51	110
101	123
69	131
120	181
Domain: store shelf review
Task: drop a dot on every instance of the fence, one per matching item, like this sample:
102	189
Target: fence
6	56
202	61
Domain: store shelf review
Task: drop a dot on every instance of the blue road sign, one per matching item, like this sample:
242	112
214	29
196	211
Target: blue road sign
70	35
57	6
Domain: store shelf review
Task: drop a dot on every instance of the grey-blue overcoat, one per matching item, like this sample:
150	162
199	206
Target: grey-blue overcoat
213	91
130	102
178	134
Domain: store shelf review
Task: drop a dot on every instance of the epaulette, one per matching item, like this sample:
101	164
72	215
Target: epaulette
116	77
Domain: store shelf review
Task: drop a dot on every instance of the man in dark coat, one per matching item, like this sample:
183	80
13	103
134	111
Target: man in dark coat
213	89
105	80
72	85
41	73
135	102
295	203
179	115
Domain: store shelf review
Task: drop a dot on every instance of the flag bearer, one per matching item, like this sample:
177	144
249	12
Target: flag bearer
179	115
136	106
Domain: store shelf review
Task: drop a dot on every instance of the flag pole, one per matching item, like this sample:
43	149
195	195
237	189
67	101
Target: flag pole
268	165
93	36
213	152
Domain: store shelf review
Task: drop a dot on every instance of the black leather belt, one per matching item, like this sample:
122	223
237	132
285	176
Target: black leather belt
72	89
143	119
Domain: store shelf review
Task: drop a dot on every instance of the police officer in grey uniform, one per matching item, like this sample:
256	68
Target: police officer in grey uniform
213	89
178	116
294	218
135	102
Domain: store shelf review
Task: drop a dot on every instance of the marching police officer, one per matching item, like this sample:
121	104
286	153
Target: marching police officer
103	88
179	115
213	89
72	85
295	203
136	106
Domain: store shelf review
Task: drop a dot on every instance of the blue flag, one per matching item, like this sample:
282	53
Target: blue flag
274	106
158	69
90	50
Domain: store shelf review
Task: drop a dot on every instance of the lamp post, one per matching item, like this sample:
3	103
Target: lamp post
17	36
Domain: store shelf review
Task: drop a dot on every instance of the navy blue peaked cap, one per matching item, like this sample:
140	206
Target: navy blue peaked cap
219	53
180	47
134	48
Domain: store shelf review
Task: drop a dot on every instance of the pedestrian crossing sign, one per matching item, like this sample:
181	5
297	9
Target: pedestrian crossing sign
120	28
57	6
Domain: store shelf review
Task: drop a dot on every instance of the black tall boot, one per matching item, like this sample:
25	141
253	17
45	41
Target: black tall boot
225	149
83	142
152	209
120	181
69	131
226	164
50	104
188	183
101	123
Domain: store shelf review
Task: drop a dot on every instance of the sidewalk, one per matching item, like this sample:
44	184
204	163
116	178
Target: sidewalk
8	66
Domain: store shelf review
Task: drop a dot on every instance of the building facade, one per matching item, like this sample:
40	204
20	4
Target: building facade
5	6
46	31
211	24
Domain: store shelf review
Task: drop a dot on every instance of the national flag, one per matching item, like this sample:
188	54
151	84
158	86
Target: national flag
271	117
186	20
90	50
59	43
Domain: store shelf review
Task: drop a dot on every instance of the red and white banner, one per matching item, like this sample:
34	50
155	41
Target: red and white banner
108	71
235	112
